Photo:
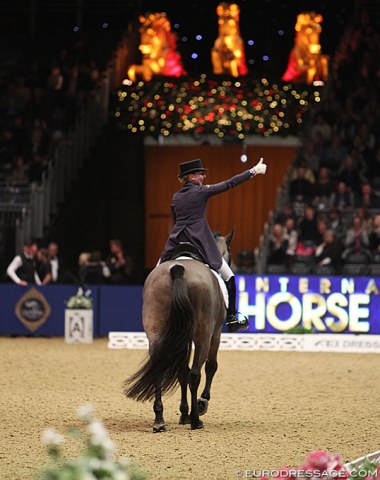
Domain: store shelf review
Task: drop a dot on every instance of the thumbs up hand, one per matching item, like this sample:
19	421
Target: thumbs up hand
260	168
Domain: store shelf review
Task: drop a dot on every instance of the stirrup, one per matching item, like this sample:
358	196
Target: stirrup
233	323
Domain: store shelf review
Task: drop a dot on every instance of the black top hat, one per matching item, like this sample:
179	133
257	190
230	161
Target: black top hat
190	167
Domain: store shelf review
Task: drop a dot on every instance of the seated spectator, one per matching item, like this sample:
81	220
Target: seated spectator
329	251
308	228
334	154
300	187
320	127
37	167
367	220
367	198
19	176
323	188
119	264
357	239
278	246
349	174
336	223
286	212
312	156
43	266
342	198
301	162
374	236
373	173
322	227
291	234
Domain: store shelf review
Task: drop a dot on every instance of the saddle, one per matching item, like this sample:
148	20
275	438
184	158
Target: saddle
187	249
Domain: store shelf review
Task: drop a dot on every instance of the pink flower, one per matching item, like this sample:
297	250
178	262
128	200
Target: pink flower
318	460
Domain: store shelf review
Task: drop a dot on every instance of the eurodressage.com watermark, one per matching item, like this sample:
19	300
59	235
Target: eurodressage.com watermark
300	474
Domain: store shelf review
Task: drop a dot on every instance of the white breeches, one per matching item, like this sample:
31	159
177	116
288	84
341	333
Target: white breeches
225	271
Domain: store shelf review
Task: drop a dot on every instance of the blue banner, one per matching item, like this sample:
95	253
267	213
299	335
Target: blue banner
35	310
120	309
276	304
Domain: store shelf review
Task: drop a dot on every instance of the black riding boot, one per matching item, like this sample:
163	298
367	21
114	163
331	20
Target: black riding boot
233	323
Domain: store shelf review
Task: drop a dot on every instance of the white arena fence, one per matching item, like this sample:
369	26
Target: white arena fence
272	342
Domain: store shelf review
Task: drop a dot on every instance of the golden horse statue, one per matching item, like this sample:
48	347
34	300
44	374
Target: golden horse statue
227	54
158	48
306	64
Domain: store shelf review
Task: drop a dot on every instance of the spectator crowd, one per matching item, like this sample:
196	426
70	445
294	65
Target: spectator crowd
329	221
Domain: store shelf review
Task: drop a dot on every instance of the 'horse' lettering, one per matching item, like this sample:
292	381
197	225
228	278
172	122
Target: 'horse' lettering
284	311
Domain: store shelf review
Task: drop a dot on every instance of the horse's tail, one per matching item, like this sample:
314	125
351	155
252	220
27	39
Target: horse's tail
171	352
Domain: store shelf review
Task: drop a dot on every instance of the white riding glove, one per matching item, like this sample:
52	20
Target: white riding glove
260	168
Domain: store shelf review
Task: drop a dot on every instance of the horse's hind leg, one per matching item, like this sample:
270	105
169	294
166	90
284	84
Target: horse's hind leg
158	408
210	368
183	379
194	381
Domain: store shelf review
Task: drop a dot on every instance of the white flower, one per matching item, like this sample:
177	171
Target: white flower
52	437
85	412
98	432
87	476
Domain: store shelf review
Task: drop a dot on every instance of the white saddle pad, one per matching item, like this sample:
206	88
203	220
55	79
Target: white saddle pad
221	282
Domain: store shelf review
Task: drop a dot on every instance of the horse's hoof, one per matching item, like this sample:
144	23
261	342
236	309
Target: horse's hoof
184	419
197	426
202	406
159	428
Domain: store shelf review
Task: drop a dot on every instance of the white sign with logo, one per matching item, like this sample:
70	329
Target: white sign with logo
79	325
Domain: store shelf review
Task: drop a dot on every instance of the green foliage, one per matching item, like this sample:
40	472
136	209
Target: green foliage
96	462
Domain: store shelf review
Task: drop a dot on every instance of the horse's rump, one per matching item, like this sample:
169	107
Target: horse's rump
182	302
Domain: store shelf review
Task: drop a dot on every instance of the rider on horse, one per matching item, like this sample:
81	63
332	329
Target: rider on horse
189	206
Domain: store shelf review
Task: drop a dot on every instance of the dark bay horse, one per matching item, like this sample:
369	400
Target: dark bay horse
182	305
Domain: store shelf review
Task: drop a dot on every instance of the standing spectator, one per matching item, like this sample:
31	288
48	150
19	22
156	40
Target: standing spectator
60	273
92	269
23	268
43	266
119	264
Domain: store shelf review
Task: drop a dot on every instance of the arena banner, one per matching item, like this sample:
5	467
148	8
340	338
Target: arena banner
36	310
277	304
120	309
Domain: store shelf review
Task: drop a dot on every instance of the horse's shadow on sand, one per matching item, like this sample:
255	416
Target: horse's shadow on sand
134	423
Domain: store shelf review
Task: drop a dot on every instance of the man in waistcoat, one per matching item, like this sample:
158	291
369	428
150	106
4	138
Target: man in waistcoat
23	269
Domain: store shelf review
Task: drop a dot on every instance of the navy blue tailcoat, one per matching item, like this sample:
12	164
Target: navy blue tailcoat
189	207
